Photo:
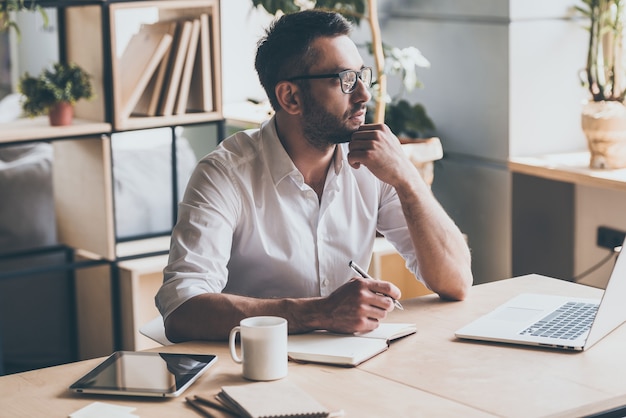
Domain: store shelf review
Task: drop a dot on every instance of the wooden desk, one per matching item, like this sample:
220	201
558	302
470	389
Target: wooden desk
570	168
427	374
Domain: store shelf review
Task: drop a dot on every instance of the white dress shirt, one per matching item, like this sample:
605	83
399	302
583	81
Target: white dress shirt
249	225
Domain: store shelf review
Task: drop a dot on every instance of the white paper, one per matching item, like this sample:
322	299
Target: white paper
104	410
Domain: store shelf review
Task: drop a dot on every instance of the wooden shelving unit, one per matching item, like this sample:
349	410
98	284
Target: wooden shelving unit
89	34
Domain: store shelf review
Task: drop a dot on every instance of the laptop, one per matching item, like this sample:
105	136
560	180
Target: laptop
554	321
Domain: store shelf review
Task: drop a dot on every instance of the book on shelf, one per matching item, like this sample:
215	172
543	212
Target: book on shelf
189	63
149	100
276	399
175	70
201	95
346	349
138	63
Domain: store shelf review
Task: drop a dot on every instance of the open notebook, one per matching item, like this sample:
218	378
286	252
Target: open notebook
346	349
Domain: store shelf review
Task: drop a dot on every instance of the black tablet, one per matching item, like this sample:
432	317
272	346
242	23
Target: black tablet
144	374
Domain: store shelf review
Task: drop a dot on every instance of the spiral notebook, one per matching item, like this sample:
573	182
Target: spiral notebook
276	399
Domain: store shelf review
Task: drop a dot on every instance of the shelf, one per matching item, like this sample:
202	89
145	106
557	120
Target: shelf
132	123
96	35
178	43
570	168
39	128
143	246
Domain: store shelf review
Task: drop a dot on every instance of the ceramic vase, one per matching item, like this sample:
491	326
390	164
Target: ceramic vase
604	125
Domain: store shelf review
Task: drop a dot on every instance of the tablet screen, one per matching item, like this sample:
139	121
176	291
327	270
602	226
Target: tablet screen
144	374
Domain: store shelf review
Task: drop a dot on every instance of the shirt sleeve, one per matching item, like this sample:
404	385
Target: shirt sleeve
201	239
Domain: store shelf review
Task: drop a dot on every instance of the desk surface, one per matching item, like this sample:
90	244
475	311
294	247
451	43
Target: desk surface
426	374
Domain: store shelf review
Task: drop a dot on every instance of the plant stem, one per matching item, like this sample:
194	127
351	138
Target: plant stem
379	60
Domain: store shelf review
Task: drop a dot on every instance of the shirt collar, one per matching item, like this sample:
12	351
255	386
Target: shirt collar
279	162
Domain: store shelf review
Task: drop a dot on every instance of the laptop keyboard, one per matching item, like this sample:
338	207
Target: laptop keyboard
567	323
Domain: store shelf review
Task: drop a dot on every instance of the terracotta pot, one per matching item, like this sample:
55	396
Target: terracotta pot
61	114
423	152
604	125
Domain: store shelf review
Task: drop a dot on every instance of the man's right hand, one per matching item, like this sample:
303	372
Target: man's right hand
358	305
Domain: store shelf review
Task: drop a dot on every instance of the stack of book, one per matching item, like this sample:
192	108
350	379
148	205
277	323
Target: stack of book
166	69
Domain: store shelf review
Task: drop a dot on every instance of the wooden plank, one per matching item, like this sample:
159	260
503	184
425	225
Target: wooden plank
83	196
149	101
94	313
216	56
143	246
185	81
84	43
26	129
138	63
160	121
140	280
173	78
201	94
571	168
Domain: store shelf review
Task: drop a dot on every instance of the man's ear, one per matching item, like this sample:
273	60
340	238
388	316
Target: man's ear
288	96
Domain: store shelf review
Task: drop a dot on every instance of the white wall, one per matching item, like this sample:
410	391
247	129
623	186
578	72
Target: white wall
242	27
37	46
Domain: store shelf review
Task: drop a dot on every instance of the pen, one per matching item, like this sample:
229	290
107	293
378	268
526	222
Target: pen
354	266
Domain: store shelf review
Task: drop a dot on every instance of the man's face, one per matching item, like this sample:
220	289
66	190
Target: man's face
329	115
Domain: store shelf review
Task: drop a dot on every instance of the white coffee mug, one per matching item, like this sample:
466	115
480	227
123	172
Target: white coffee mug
263	347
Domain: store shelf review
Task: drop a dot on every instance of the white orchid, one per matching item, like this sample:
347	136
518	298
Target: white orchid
404	62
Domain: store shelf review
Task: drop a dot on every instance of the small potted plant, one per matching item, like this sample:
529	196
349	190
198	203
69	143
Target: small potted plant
604	115
55	91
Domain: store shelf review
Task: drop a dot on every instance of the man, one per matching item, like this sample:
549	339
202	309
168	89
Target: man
272	217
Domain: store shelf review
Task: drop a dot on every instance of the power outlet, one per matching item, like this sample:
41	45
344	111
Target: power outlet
609	237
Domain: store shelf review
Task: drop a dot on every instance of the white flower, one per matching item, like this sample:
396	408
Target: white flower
403	62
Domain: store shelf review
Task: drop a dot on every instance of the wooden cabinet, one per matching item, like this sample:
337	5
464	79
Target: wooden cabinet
139	281
105	38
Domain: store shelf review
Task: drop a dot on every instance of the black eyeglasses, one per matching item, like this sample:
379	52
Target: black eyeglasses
348	78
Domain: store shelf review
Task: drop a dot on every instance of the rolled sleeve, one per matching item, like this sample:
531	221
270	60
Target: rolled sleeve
201	240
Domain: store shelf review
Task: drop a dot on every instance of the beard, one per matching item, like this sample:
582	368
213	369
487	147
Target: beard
322	128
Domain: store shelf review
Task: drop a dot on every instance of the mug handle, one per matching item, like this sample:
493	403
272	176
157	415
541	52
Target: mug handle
232	345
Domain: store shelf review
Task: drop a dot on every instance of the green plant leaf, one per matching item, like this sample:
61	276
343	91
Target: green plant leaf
62	83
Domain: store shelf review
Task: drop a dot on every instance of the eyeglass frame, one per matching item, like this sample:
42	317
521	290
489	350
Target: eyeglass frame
339	75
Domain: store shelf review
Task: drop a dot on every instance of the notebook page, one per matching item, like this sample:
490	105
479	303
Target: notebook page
279	398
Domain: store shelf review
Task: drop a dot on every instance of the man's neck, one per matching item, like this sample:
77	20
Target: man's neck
311	161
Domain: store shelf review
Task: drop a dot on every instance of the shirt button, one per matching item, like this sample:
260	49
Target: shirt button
325	282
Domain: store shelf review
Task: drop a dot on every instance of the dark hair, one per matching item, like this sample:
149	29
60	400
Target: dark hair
285	50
